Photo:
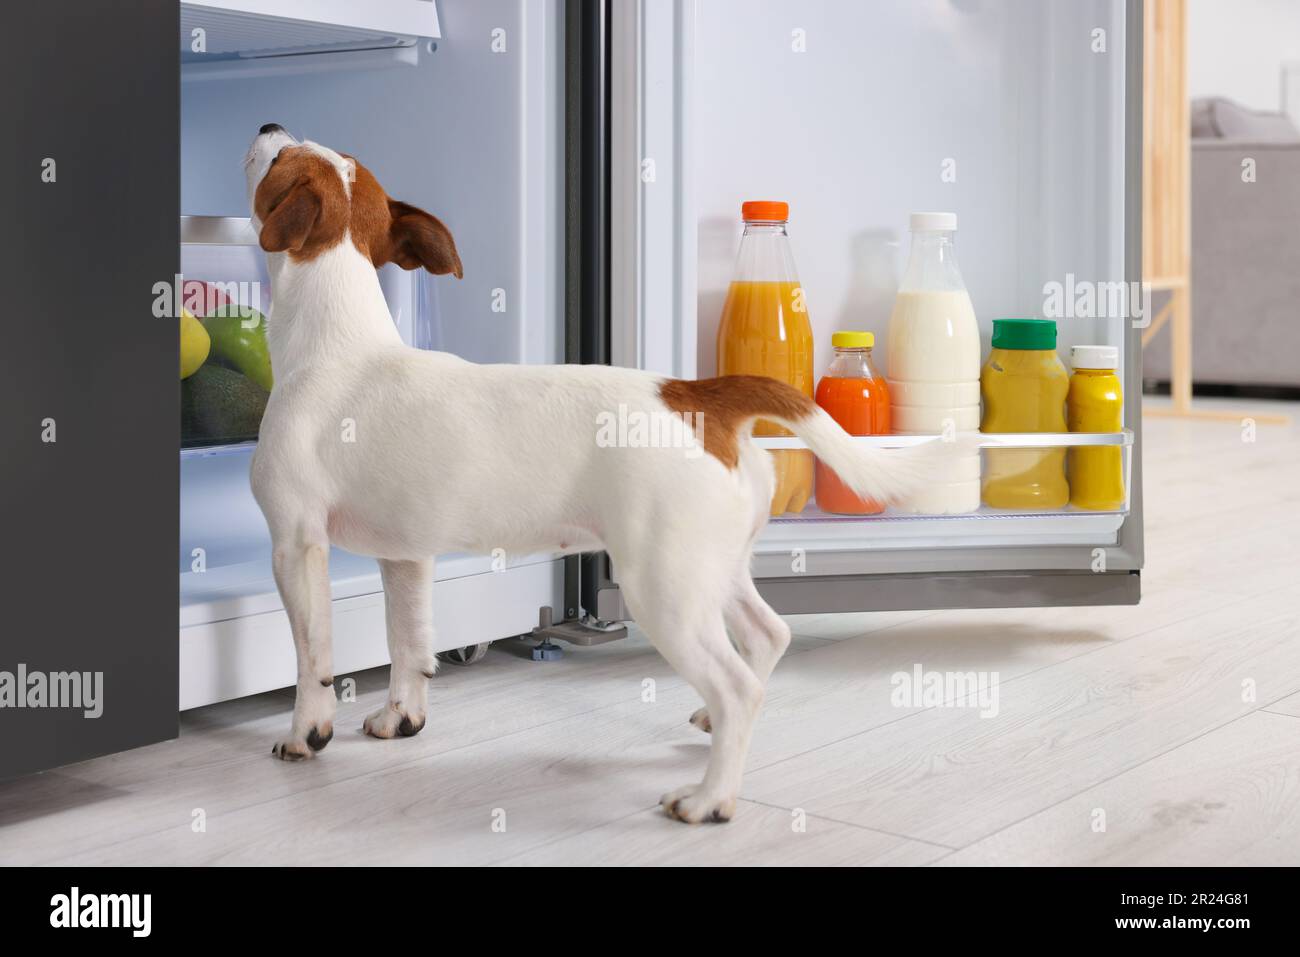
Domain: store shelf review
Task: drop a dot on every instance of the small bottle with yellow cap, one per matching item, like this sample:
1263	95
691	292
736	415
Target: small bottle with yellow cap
857	397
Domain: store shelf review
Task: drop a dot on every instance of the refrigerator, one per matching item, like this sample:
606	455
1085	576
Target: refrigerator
590	160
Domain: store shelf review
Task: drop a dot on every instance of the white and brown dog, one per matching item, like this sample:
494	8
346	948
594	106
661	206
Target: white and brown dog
446	455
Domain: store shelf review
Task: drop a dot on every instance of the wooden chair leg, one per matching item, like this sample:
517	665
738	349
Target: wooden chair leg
1180	323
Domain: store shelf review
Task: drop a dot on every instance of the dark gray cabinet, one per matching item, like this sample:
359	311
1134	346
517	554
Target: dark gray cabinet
89	578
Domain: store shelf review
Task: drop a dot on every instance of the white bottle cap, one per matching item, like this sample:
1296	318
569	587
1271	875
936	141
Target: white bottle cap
1094	357
931	222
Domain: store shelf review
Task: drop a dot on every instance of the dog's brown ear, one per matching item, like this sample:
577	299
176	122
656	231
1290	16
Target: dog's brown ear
421	240
288	225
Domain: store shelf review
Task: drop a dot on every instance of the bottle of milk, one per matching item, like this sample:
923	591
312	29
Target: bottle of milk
934	360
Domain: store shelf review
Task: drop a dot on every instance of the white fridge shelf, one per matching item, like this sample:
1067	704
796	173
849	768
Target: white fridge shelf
219	37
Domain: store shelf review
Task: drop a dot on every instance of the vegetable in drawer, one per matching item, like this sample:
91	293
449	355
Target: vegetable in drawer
239	338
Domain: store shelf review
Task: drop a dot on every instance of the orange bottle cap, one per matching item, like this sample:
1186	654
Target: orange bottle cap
765	211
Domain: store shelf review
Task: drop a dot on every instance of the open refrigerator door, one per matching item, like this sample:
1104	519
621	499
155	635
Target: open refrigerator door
1021	118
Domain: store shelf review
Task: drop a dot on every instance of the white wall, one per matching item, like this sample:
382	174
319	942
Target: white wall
1236	48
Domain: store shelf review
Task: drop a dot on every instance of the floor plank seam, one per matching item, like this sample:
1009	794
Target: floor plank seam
854	824
567	837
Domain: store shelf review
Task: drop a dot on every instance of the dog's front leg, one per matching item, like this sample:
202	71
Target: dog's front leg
302	575
408	606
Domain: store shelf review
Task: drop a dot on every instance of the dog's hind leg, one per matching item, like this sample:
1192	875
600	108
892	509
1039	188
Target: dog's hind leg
687	628
760	634
408	607
301	566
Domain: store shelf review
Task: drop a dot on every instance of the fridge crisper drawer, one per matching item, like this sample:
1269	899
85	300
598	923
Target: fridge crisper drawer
224	275
892	529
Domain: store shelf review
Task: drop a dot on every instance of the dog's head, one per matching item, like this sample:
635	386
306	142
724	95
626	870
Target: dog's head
306	198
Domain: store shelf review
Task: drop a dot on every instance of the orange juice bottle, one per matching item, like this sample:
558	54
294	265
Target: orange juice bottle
765	331
856	397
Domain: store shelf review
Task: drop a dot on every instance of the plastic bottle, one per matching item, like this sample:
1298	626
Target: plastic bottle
1024	386
765	331
856	397
934	360
1095	403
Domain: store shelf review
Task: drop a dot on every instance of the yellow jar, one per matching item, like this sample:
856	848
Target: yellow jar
1023	385
1095	404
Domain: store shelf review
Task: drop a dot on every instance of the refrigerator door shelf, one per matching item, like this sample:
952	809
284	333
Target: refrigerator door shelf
986	527
1000	440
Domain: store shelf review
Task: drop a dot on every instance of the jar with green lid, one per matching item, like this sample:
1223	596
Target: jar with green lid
1024	385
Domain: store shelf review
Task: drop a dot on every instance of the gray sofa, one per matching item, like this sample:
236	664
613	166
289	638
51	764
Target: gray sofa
1245	251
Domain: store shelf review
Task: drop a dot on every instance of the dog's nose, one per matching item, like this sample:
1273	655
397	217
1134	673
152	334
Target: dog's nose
270	128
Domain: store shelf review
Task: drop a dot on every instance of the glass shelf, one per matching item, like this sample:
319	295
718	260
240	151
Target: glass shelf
999	440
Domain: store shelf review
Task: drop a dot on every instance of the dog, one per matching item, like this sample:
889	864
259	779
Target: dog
401	454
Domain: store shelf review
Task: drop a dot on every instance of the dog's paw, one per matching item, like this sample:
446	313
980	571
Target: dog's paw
391	721
701	720
692	804
301	748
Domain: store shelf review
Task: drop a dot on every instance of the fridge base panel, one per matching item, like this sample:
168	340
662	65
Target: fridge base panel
800	595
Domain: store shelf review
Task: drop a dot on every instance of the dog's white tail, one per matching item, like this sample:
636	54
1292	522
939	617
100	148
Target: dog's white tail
885	475
730	405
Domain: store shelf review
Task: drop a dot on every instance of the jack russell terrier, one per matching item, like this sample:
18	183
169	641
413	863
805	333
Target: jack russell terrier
435	463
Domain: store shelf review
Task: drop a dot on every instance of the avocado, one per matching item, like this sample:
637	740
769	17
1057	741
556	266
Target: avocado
238	336
220	405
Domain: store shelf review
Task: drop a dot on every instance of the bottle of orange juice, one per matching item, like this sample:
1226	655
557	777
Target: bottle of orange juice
765	331
856	397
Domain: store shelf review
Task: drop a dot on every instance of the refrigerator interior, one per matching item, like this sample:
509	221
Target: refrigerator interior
488	164
857	114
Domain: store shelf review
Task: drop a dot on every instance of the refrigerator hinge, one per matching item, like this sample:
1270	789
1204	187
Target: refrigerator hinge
587	630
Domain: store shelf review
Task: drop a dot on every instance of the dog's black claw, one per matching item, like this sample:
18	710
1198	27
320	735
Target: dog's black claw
719	817
408	730
327	682
316	741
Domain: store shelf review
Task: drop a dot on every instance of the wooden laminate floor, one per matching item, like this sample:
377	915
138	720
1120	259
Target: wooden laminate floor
1168	733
